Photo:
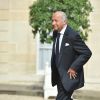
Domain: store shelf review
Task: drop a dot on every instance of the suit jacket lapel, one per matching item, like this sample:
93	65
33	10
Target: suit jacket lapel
62	48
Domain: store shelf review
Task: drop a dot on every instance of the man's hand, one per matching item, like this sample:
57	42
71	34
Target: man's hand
72	73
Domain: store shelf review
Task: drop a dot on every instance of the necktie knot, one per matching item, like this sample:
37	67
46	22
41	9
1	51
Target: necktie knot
58	35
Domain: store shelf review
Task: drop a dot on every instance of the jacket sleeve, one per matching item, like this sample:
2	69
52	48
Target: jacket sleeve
83	52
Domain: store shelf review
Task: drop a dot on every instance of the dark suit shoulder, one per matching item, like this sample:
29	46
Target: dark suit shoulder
71	33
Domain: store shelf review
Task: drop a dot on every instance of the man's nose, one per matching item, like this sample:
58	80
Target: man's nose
53	23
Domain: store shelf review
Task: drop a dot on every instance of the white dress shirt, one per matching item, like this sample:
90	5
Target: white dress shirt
61	36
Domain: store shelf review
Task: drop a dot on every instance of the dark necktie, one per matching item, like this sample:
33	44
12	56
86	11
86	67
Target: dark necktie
57	47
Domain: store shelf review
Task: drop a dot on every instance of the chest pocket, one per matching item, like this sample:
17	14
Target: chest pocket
68	47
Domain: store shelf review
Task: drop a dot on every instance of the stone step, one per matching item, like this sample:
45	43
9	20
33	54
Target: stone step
22	89
37	90
86	95
34	87
83	95
23	85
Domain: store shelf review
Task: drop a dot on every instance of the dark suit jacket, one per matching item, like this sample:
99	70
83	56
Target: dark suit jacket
73	54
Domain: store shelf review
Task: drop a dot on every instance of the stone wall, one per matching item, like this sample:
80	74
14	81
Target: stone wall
92	68
17	46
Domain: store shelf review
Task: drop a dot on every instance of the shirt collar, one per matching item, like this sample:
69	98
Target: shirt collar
63	30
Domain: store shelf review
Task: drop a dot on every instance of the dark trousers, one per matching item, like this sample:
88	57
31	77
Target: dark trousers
62	93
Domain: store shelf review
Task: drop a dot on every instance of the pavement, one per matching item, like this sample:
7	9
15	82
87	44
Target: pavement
19	97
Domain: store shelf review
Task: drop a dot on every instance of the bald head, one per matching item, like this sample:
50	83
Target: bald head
59	20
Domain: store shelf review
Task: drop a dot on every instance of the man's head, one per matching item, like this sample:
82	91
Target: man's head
59	20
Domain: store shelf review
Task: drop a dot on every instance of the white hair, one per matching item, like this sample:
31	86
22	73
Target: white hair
63	15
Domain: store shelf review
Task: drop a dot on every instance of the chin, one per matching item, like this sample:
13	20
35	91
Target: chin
55	29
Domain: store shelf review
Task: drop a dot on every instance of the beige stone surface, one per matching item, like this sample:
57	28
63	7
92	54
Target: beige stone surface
92	68
19	97
4	26
18	4
17	46
4	4
4	14
19	15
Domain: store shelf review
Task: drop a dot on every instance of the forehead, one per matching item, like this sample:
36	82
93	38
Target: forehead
56	15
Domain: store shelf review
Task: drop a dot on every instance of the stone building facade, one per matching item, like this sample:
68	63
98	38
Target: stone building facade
17	45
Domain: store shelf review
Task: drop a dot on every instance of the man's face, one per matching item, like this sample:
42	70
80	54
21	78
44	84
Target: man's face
57	22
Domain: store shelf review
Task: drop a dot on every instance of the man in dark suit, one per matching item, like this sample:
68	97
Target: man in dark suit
69	54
